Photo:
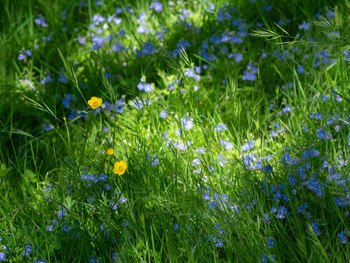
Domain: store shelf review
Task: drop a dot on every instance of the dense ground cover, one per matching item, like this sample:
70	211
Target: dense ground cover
174	131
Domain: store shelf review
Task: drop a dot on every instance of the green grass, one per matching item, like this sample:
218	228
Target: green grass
170	215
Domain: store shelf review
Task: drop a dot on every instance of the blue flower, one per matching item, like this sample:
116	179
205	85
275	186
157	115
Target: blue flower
97	19
123	200
27	251
196	162
273	210
305	155
147	87
163	114
268	169
318	116
220	127
114	206
211	7
155	162
342	238
249	76
22	56
236	40
316	230
187	122
115	257
223	50
266	8
238	57
191	74
330	14
314	185
267	218
197	171
98	41
90	200
47	126
250	73
156	6
141	29
61	213
305	26
102	178
82	41
340	202
2	256
122	33
62	79
117	47
300	69
219	243
338	98
282	212
138	104
314	153
41	21
223	16
287	109
46	79
118	10
66	103
206	196
228	146
278	195
323	135
270	242
120	108
201	150
248	146
347	55
28	52
148	49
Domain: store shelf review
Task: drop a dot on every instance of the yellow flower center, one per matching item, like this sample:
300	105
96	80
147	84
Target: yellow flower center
95	102
120	167
110	151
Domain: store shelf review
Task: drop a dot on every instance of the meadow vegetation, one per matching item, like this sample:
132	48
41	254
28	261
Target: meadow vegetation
174	131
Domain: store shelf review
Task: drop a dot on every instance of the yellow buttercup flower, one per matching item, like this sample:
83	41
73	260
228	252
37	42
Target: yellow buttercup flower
110	151
95	102
120	167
